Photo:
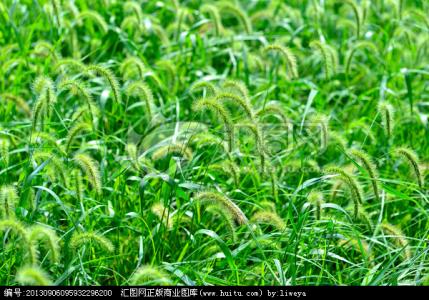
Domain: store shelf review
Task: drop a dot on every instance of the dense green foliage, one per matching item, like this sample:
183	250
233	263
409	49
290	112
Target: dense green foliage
214	142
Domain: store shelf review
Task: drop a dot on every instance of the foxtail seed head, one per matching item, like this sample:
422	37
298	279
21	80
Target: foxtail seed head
209	87
19	102
90	167
108	75
177	148
234	98
274	108
328	57
19	229
142	90
213	11
237	87
132	65
412	159
74	131
351	183
357	13
387	112
77	184
8	199
315	198
55	163
398	236
77	88
80	239
229	7
147	275
369	167
33	275
163	214
358	245
321	121
134	7
288	57
270	218
95	17
215	198
218	108
49	238
227	217
4	150
228	167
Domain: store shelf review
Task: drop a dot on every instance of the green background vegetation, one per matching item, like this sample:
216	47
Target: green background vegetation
214	142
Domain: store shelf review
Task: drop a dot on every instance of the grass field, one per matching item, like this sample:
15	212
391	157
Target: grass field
214	142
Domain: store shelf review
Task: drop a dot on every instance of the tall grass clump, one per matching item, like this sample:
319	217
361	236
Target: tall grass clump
208	143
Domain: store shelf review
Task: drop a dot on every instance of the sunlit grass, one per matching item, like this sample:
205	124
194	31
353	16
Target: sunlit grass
214	142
